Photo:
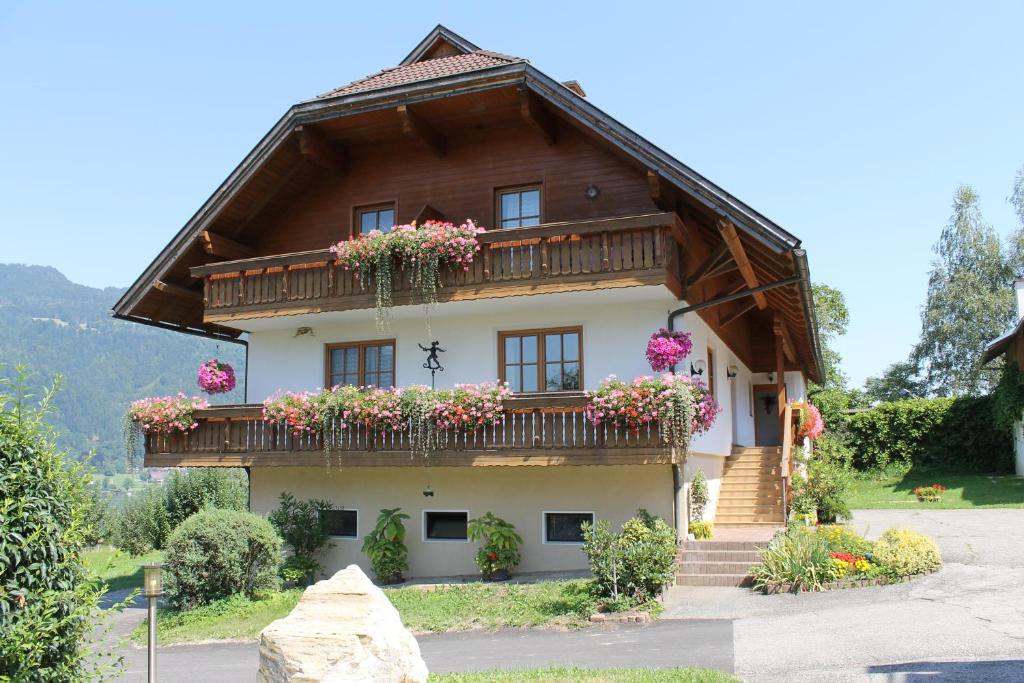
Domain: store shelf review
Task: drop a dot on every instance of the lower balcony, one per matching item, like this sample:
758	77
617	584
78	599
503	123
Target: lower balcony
537	429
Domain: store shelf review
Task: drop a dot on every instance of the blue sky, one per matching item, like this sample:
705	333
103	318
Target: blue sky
850	126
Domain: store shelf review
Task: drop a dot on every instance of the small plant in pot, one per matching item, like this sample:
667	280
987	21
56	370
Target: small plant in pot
499	553
385	546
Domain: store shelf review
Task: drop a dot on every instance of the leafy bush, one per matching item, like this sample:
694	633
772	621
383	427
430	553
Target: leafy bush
99	517
960	434
47	608
702	531
142	524
902	552
631	567
841	539
698	496
304	530
797	557
218	553
833	449
824	491
188	492
500	550
385	546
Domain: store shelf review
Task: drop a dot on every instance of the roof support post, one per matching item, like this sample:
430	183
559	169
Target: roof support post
416	128
732	241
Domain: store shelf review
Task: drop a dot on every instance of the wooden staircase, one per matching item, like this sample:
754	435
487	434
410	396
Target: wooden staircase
716	563
751	488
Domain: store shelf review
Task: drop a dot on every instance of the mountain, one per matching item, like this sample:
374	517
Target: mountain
53	326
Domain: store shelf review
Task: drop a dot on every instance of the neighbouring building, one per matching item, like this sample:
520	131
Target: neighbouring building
1011	348
595	238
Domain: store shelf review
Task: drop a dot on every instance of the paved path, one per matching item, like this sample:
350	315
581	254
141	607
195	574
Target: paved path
964	623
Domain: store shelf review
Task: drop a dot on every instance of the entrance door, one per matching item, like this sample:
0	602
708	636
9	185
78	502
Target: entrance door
766	415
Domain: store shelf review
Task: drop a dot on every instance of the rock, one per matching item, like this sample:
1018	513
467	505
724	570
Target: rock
343	630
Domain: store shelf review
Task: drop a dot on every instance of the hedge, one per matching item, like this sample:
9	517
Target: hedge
952	433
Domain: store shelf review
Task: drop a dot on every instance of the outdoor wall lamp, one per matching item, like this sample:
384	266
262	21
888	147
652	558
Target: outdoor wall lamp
731	371
152	588
428	492
697	369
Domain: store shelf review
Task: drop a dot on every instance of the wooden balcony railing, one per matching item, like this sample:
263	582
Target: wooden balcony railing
553	257
537	429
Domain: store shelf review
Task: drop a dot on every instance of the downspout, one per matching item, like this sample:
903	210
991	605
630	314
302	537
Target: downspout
680	513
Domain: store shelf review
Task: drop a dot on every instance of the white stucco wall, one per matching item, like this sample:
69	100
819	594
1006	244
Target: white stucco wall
616	326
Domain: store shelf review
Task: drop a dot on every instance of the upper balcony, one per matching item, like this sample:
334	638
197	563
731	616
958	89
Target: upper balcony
604	253
536	429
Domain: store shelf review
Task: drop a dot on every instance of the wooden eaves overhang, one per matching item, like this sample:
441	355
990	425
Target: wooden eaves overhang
773	252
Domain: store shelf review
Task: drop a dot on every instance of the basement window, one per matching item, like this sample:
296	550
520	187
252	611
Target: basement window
341	523
566	527
445	525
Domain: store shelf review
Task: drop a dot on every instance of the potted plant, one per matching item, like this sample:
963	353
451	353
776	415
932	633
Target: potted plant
500	550
385	546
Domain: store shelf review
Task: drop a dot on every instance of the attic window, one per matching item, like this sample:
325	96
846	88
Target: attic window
380	217
519	207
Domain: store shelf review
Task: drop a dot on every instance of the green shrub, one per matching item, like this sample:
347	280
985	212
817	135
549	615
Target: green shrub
631	567
47	607
218	553
188	492
902	552
961	434
385	546
99	517
698	496
500	549
798	558
824	491
142	524
302	526
841	539
702	531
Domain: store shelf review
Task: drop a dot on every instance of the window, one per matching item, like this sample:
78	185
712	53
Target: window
519	208
361	364
542	360
711	371
341	523
565	527
445	525
375	218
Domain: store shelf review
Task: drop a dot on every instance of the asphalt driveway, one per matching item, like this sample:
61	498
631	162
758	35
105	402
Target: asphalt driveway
964	623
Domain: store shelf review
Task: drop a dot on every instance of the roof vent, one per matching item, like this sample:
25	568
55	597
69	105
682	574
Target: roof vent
575	87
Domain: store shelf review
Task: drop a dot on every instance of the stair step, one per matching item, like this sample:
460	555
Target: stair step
749	497
778	524
749	478
757	449
751	465
713	580
708	546
690	568
720	556
756	485
750	519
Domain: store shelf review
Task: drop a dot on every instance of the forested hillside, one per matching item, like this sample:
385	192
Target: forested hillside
56	326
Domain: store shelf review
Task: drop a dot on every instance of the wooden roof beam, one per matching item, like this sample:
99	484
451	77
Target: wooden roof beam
267	197
738	313
177	290
732	241
315	146
538	116
417	129
658	192
224	247
782	334
713	265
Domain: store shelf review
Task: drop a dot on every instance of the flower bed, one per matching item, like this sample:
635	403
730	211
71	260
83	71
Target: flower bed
420	250
683	406
930	494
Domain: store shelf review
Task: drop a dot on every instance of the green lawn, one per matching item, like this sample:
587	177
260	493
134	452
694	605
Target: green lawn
889	490
560	674
551	604
118	569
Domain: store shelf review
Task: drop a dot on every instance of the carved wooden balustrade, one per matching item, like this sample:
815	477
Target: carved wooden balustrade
554	257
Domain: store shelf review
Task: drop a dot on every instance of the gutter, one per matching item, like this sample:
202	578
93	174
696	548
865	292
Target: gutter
807	299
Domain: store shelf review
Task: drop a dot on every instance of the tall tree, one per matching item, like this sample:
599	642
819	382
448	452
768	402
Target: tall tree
899	381
969	302
833	318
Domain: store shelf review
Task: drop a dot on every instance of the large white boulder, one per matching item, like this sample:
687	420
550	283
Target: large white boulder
344	629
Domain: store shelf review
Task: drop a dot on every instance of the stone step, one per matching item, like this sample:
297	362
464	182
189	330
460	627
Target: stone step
713	580
744	465
749	498
739	450
719	556
775	518
690	568
749	478
731	524
715	546
757	484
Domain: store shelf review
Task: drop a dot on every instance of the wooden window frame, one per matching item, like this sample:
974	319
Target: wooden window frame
712	376
359	209
541	359
362	346
499	191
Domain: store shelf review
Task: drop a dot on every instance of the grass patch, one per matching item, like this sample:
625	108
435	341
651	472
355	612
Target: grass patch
118	569
234	618
553	604
895	490
551	675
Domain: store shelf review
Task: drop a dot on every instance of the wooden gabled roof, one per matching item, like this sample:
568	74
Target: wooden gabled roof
446	65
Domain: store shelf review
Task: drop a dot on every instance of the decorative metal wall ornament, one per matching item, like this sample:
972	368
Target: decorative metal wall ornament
432	363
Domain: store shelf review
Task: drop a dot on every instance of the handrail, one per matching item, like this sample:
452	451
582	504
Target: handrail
785	465
581	227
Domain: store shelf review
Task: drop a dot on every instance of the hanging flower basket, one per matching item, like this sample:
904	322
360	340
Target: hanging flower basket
216	377
666	348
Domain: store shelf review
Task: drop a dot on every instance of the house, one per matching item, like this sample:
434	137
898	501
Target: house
1010	347
597	238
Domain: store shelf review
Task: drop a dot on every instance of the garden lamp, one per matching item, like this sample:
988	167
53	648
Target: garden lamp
152	588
